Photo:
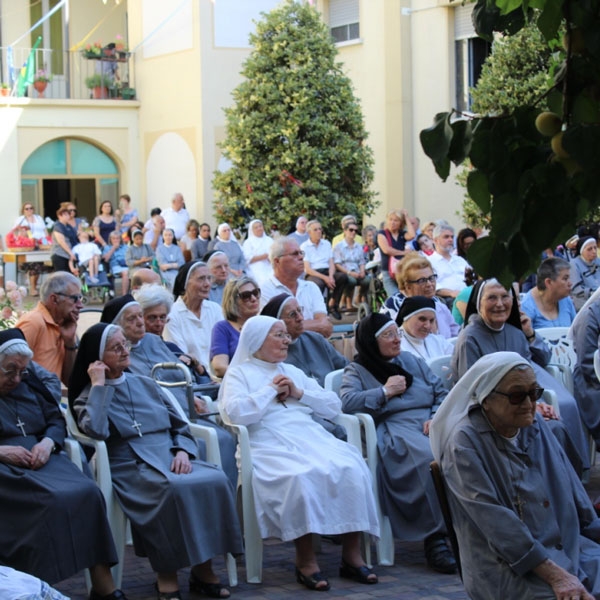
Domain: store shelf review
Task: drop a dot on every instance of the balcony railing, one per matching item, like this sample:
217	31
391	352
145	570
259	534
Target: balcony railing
72	73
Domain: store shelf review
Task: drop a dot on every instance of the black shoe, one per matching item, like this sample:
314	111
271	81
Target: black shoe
439	556
312	581
361	574
335	313
116	595
212	590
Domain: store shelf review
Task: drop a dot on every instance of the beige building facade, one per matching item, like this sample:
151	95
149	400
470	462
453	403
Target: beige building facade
184	61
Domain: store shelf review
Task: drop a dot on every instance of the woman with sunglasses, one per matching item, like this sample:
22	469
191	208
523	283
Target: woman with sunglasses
349	258
415	277
525	525
241	300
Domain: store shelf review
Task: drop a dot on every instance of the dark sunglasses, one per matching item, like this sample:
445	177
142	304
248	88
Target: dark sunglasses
516	398
351	229
245	296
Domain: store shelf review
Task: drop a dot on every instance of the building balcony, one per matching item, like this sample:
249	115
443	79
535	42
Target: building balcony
78	75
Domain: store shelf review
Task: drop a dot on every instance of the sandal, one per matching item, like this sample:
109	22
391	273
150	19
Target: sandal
359	574
311	581
212	590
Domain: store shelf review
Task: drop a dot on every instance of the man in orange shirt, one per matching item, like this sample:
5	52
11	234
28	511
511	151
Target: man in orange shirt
51	327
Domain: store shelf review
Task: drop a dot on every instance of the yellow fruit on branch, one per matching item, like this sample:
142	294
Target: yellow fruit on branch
548	123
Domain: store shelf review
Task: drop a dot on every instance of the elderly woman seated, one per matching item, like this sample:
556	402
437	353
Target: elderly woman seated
493	323
525	525
304	480
417	321
401	394
41	491
147	350
181	510
241	300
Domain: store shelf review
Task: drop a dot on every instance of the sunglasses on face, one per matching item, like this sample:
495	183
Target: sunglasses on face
245	296
516	398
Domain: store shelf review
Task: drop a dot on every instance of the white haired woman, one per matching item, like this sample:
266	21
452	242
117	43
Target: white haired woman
525	525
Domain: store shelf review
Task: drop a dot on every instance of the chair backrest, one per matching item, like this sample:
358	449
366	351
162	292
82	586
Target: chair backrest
441	367
563	352
597	364
87	318
333	381
440	490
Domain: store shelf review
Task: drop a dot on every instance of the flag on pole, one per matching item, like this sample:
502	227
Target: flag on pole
27	74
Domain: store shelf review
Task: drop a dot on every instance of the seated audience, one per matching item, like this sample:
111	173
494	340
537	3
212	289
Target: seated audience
525	525
169	258
585	270
369	235
416	319
493	323
549	303
87	254
104	224
226	243
305	481
193	315
320	268
42	492
241	300
144	276
415	277
401	394
288	267
449	267
464	240
192	232
300	235
181	510
200	246
347	220
256	251
138	254
218	265
349	259
392	243
114	254
425	244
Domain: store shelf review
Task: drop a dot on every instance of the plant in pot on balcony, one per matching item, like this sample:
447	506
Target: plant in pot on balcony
93	50
4	89
40	82
99	85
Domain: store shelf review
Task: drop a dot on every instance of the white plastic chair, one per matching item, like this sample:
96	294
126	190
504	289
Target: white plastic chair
253	542
564	358
385	544
597	364
441	367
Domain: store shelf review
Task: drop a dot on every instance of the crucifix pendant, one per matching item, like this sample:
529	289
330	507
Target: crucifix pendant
135	425
21	426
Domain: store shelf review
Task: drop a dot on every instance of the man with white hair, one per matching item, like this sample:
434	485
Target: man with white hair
177	216
218	264
450	267
288	267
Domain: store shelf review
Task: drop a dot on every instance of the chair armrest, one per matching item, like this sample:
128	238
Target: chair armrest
368	426
352	426
210	438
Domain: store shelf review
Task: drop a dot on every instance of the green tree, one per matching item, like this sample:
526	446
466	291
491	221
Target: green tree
516	73
535	176
295	134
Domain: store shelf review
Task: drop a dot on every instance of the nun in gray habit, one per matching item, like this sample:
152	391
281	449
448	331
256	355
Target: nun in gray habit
182	511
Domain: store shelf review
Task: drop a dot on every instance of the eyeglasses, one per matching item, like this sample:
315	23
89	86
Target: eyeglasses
295	253
12	373
352	230
391	334
245	296
120	348
74	297
295	313
517	398
280	335
29	208
154	318
423	280
72	210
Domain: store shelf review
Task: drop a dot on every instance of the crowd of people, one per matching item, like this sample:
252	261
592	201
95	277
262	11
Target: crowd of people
251	321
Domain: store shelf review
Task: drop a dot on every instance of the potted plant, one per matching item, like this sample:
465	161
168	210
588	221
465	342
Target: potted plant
93	50
121	47
128	93
40	82
99	85
4	89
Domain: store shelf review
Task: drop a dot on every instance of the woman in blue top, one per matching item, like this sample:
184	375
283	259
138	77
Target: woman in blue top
241	300
549	303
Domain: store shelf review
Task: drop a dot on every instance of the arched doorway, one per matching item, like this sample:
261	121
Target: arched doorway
69	170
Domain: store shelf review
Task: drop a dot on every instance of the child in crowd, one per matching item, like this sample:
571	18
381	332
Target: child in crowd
88	255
